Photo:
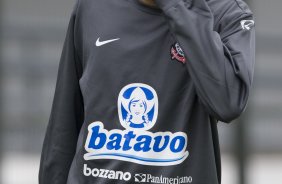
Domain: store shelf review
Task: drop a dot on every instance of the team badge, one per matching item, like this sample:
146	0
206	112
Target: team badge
177	53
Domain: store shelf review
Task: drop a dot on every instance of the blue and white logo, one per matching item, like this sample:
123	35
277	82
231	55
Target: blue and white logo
137	106
138	111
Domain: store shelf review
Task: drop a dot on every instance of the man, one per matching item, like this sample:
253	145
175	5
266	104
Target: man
141	87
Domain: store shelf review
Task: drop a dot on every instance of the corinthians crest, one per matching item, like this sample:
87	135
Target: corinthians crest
177	53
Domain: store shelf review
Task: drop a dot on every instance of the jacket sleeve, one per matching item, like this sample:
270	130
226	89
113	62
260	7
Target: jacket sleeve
66	116
220	63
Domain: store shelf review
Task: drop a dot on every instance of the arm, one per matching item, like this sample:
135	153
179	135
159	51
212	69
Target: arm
221	64
66	116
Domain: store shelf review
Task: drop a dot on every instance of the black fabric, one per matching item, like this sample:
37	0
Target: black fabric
140	91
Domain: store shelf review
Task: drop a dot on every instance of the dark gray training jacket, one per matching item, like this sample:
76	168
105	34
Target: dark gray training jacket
140	91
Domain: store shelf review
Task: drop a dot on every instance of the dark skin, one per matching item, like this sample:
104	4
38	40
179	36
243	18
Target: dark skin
149	3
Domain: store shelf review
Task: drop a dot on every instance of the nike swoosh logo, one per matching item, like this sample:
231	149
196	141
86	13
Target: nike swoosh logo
100	43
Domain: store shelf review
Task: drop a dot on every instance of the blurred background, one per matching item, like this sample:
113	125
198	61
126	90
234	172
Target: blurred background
31	39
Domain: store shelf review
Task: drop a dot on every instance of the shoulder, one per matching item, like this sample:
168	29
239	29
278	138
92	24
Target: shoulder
221	7
226	11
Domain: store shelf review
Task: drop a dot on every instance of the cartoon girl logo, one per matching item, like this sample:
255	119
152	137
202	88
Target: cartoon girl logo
137	106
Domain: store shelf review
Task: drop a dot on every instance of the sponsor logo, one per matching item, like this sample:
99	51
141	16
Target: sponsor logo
137	110
177	53
105	173
137	106
140	178
148	178
247	24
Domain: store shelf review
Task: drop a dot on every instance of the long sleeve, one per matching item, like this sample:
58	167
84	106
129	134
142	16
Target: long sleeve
66	115
221	63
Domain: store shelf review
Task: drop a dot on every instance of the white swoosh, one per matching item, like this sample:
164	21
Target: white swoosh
99	43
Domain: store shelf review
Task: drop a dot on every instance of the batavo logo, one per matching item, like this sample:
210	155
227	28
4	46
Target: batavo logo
137	110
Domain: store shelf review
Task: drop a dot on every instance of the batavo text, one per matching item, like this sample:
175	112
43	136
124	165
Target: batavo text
143	147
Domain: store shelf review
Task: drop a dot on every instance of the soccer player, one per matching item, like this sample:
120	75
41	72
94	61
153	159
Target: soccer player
141	87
